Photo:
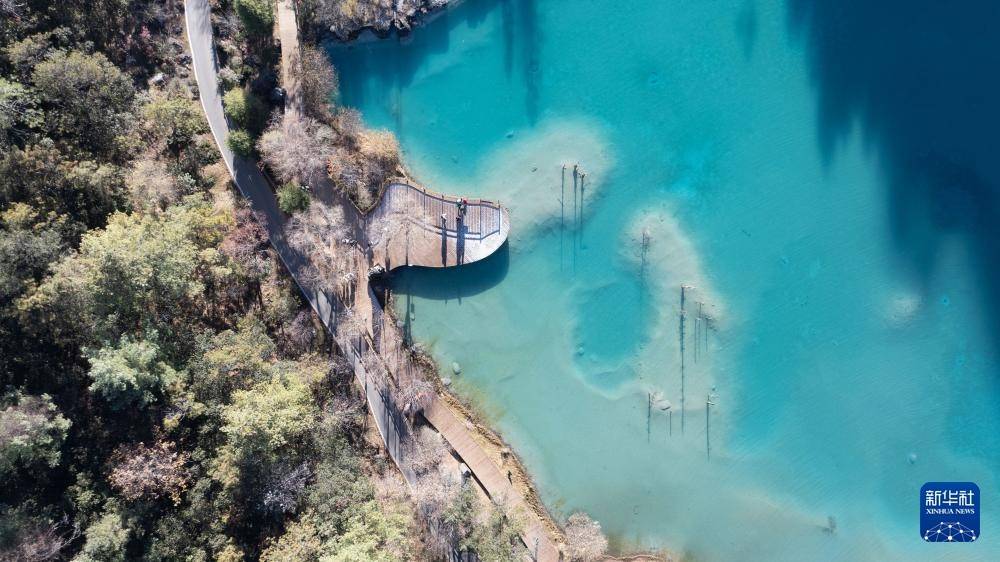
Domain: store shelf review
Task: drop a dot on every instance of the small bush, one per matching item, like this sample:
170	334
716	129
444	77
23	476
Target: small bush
240	142
228	78
257	16
292	198
245	110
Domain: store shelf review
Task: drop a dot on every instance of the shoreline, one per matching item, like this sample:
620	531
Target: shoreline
370	34
489	440
505	456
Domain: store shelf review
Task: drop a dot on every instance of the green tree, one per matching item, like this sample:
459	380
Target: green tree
130	374
86	98
17	111
107	540
233	359
300	542
245	110
23	55
271	418
175	120
32	432
257	16
240	142
45	177
28	244
372	535
292	198
140	272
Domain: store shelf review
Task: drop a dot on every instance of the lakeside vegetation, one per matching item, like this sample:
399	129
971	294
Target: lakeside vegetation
165	393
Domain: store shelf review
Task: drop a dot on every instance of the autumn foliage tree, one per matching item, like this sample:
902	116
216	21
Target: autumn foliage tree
148	473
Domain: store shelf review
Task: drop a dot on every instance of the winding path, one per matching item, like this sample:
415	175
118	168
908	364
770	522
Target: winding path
255	188
487	234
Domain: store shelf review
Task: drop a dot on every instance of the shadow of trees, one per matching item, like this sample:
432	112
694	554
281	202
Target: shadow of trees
519	31
920	79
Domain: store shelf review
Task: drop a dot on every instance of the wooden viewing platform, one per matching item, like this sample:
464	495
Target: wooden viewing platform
417	227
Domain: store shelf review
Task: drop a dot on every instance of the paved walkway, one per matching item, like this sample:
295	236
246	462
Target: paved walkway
287	32
256	189
497	487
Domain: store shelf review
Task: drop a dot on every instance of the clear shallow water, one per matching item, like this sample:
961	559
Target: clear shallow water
823	172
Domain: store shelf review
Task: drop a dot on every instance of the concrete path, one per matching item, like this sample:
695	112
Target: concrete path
256	189
287	32
495	482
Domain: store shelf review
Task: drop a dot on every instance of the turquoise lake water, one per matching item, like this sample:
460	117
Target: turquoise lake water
822	175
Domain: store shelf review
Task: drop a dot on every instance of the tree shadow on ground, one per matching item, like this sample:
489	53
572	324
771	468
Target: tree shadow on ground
920	81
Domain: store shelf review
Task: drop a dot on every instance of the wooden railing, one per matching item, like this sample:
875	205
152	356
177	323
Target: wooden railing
440	213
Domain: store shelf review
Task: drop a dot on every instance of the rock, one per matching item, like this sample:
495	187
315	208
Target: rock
400	324
157	79
446	381
456	368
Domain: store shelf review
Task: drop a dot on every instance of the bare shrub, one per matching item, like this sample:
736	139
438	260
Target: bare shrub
347	122
151	186
35	541
319	82
375	367
246	243
318	233
415	394
425	451
361	170
142	472
585	541
380	147
301	333
297	149
285	486
435	493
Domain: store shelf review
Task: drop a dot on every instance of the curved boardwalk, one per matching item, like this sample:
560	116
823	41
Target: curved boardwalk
415	226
